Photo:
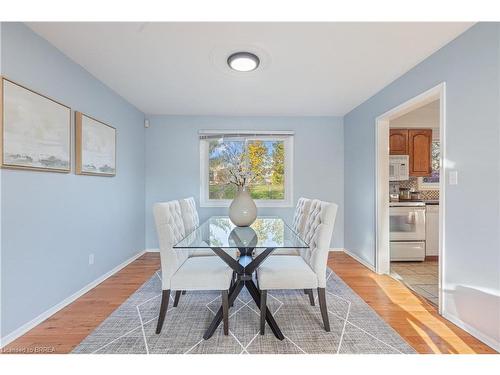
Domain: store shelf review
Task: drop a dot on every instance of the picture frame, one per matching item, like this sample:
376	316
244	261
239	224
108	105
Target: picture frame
35	130
95	147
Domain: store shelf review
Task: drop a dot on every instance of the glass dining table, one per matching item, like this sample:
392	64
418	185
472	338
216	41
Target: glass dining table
255	243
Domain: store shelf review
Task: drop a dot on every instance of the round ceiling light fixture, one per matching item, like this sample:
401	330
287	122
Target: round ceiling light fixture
243	61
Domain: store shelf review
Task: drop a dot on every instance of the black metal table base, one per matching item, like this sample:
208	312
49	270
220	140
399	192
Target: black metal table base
244	270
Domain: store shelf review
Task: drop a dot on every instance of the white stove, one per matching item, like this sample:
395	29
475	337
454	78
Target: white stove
407	230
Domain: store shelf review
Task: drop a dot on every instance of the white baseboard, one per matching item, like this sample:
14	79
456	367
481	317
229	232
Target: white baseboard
358	259
338	249
47	314
152	250
473	331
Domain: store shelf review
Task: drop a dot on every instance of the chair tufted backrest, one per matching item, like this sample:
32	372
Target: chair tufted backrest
170	230
318	232
189	213
300	215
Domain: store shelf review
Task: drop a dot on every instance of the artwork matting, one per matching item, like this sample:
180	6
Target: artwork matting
95	146
35	130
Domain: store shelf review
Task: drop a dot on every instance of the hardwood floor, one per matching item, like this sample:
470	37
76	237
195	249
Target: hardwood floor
411	316
415	319
64	330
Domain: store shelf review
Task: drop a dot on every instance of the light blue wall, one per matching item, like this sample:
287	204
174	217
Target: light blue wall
470	67
173	165
51	222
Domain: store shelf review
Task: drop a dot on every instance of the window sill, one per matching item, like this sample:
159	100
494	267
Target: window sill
259	203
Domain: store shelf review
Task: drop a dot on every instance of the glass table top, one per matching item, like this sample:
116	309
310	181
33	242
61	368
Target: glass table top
219	231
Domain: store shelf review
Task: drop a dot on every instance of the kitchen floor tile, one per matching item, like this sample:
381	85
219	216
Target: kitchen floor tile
421	277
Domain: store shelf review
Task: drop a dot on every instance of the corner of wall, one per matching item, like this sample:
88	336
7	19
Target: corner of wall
1	172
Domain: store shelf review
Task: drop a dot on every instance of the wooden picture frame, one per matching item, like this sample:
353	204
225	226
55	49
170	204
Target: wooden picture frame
95	147
35	130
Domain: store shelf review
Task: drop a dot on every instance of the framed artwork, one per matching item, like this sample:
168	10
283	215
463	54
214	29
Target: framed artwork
95	147
35	130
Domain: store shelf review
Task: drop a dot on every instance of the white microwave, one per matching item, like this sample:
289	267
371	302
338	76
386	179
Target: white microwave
399	167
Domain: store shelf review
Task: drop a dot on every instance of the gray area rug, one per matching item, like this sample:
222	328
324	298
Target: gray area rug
355	327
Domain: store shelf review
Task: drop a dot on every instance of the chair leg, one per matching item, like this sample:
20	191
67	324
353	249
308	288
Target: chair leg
165	296
177	297
183	292
323	308
233	280
306	291
225	311
311	296
263	308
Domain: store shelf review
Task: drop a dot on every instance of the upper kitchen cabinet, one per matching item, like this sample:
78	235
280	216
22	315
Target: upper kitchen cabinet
419	149
398	141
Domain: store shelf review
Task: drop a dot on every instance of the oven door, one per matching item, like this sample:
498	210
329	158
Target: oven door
407	223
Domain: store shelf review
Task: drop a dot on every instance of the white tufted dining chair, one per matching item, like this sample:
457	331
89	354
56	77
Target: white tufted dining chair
307	271
298	225
191	221
181	271
300	215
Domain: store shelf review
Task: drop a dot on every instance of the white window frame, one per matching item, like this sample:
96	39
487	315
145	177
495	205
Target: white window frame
286	136
425	186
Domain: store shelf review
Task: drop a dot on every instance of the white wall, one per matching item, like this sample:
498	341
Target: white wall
173	162
51	222
470	66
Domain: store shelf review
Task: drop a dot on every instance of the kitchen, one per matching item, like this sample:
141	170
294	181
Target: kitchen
414	172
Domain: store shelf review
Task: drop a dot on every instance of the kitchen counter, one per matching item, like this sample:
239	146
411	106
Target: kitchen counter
425	201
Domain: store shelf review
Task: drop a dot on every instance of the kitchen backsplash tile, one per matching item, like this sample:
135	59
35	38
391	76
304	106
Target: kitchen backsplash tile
412	183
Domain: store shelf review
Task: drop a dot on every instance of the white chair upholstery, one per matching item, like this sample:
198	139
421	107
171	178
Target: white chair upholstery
179	271
300	216
170	230
318	233
202	273
298	224
191	221
189	213
308	270
286	272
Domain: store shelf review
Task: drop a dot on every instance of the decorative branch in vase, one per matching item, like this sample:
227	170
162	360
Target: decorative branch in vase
242	210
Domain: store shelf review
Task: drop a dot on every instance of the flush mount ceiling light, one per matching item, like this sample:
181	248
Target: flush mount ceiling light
243	61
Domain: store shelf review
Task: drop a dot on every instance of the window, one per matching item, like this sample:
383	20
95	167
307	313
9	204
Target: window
265	156
432	182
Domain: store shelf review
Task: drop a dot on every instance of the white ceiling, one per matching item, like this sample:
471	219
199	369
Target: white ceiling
306	68
426	116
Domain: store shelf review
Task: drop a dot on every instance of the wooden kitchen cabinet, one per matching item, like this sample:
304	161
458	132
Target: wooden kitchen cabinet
398	141
417	143
419	149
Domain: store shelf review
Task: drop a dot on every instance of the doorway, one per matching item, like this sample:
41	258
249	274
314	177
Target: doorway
410	229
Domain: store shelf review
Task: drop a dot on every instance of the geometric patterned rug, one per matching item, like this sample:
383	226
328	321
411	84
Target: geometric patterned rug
355	327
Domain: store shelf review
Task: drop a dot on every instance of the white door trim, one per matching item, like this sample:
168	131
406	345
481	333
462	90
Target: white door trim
382	252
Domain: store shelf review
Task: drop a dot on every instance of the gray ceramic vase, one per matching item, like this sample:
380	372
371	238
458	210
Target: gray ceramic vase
242	210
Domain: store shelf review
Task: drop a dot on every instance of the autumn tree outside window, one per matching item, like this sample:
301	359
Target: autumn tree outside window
268	155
